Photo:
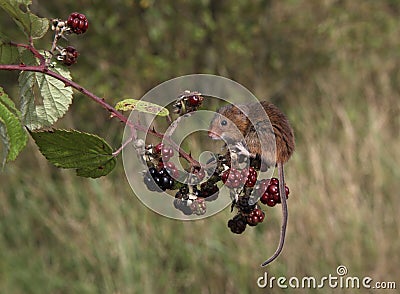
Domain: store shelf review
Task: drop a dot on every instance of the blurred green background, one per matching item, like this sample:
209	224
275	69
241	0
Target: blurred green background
332	66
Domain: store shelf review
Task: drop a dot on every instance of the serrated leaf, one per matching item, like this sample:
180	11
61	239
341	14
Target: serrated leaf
89	154
12	133
32	25
142	106
55	98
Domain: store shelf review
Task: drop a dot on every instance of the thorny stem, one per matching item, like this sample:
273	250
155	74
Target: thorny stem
31	48
43	68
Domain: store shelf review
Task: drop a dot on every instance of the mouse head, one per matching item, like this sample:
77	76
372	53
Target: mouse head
228	124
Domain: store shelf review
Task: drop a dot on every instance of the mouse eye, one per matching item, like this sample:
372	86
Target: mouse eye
224	123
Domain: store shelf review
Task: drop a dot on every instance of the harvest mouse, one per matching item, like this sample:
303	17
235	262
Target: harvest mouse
274	142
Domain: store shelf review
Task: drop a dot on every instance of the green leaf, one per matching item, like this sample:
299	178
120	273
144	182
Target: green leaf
32	25
89	154
8	54
44	99
12	133
142	106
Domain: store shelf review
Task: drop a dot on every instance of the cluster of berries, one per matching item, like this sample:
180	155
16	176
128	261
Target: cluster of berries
158	179
248	214
251	214
76	23
269	191
194	201
234	178
163	175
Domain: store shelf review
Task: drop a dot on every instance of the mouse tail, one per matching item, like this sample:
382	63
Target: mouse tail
285	216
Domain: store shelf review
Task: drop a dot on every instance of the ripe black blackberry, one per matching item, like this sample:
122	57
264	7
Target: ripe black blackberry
78	22
237	224
181	205
209	191
156	180
243	204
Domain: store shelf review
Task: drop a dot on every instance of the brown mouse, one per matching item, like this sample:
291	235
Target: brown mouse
275	145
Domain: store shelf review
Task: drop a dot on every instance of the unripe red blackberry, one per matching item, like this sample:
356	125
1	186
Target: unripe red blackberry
70	55
157	148
198	206
232	178
251	175
255	217
195	100
166	152
78	22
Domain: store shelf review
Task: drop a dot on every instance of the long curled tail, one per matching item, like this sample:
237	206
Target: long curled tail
285	215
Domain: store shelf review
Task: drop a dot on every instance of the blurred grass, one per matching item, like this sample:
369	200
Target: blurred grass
333	67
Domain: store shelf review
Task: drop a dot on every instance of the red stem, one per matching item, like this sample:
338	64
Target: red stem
32	49
68	83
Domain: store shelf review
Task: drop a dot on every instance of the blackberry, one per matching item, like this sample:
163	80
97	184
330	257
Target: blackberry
161	178
195	100
237	224
150	184
198	206
232	178
172	170
157	148
271	194
210	192
166	152
243	204
250	175
182	206
273	189
255	217
69	55
78	23
184	189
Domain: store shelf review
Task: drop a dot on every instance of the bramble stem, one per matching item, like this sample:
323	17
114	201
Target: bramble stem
43	68
32	49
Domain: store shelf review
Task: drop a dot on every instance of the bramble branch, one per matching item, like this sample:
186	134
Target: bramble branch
43	68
